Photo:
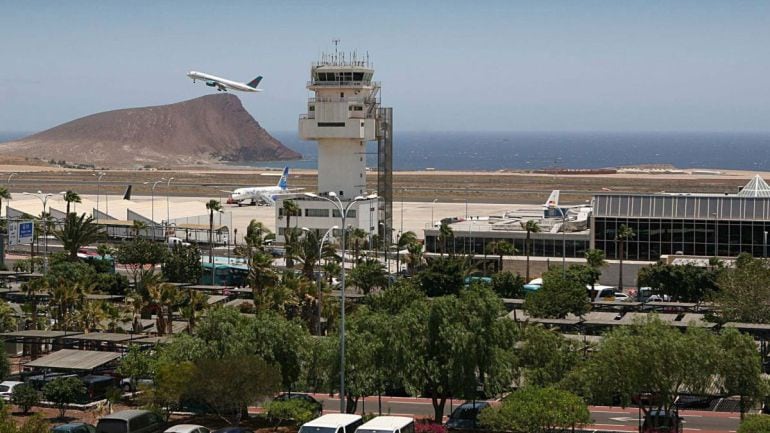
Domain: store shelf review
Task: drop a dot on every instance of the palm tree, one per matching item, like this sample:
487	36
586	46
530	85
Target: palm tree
368	275
307	253
194	302
624	233
404	240
414	259
290	208
212	206
444	233
291	245
501	248
138	226
76	232
261	276
71	197
531	226
357	237
104	250
595	261
256	234
4	195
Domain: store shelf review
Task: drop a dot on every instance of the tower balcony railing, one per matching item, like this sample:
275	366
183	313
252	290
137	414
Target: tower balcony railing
352	99
351	115
343	83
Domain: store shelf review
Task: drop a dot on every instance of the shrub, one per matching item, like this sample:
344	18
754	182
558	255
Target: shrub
25	396
294	410
429	427
63	391
755	424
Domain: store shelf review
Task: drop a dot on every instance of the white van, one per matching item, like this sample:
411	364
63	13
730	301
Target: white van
333	423
388	424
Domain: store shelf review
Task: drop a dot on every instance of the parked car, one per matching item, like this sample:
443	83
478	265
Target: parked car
130	421
6	389
128	384
187	428
660	421
315	404
74	427
622	297
466	416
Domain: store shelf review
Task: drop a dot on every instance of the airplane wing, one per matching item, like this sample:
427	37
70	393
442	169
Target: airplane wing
224	190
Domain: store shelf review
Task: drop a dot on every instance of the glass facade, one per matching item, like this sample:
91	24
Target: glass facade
654	237
550	247
699	225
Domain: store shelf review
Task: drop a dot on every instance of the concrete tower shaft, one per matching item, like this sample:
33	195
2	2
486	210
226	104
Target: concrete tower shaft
341	117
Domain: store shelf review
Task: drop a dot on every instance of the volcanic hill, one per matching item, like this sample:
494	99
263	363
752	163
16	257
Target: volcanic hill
202	130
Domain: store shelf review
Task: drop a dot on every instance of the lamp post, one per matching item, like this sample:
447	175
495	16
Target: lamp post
10	176
168	213
318	290
563	240
764	246
336	202
43	199
152	201
99	177
432	224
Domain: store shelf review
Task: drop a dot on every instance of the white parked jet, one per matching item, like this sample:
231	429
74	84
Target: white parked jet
223	84
265	194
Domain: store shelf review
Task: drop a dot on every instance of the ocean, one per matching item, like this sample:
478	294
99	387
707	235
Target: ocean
492	151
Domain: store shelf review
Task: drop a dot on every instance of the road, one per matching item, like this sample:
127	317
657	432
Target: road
604	418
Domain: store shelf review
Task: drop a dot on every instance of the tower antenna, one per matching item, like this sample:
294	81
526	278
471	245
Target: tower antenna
335	42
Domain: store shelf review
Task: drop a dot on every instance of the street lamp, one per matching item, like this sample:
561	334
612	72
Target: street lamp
335	200
152	200
563	239
44	199
168	186
432	224
99	177
318	282
764	245
10	176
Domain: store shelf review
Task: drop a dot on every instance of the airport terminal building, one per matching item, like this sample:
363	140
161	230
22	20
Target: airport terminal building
723	225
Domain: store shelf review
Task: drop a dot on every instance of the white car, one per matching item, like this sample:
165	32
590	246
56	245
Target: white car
187	428
6	389
622	297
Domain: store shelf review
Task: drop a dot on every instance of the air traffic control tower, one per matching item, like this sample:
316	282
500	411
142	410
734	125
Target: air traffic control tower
342	116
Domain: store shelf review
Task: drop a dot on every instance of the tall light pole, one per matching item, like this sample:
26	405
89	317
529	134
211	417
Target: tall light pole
334	200
99	177
168	213
563	239
432	224
764	246
10	176
152	200
44	199
320	256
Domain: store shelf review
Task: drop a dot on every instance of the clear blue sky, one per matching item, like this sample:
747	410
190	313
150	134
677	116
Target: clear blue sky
444	65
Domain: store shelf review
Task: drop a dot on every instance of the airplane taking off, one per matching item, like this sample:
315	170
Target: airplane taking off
256	194
223	84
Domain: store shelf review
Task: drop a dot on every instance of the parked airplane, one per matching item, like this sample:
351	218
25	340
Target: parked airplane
223	84
264	194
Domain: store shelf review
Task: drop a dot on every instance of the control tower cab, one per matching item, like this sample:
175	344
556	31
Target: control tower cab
341	117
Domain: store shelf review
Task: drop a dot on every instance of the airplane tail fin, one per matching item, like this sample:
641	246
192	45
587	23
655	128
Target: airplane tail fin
127	194
255	82
553	199
283	183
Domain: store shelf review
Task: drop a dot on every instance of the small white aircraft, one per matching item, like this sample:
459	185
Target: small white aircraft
264	194
223	84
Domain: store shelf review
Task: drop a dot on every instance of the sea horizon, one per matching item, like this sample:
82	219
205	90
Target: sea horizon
532	150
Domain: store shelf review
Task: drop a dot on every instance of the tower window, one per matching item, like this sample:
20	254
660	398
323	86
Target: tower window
342	94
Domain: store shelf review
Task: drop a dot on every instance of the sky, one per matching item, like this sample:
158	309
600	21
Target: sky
444	65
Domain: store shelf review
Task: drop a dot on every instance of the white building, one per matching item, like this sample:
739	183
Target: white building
341	117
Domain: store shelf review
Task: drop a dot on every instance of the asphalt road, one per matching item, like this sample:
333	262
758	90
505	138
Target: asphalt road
604	418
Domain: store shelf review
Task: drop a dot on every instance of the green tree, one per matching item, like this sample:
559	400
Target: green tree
295	411
595	259
546	357
240	381
755	424
530	226
170	384
508	285
138	255
537	410
308	250
686	283
212	206
744	294
501	248
77	232
281	342
442	276
414	258
445	234
25	396
624	234
741	368
559	296
71	197
262	276
368	275
659	360
290	209
63	391
183	264
135	365
403	242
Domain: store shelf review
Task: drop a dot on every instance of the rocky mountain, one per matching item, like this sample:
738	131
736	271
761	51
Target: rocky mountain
202	130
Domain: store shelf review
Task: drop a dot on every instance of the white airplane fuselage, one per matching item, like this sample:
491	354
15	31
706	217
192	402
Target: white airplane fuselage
221	83
255	194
